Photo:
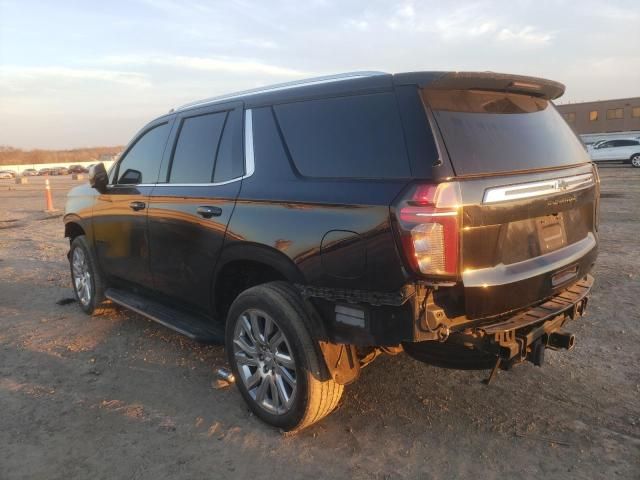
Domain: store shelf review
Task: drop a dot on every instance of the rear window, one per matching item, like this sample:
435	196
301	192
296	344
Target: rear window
195	151
353	137
487	132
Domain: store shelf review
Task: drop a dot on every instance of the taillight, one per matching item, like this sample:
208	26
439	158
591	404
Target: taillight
429	227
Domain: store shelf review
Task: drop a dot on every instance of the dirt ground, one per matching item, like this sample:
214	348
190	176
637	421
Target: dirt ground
118	396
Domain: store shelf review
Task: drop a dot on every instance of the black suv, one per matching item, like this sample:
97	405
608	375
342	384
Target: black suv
313	225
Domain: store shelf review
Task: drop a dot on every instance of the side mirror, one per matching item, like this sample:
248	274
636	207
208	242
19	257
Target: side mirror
98	177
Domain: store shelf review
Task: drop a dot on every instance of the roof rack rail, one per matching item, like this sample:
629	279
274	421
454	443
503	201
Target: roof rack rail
282	86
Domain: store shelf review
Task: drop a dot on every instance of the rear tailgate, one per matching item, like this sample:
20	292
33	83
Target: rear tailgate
525	238
529	197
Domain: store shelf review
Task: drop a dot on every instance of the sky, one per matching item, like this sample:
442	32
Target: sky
89	73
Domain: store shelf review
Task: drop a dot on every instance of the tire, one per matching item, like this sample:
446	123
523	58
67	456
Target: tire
635	160
281	352
88	285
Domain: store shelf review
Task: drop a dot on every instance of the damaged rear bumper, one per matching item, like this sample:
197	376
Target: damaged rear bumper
513	339
521	337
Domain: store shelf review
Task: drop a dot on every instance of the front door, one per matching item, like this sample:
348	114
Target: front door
120	214
191	205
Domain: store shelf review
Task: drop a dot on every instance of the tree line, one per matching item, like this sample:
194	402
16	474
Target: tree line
16	156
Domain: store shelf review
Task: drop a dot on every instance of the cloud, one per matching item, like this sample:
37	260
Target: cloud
464	23
526	34
356	24
14	74
259	43
210	64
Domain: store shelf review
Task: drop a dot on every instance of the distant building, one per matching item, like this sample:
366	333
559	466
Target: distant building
603	116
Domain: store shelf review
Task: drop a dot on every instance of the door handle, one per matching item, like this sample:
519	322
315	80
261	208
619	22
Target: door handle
206	211
137	205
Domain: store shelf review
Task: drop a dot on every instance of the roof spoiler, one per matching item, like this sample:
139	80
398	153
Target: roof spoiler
500	82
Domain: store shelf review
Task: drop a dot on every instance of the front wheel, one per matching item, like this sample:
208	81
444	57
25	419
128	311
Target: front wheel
278	365
85	275
635	160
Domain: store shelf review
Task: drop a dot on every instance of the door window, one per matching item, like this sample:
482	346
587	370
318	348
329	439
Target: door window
230	161
208	149
142	162
196	149
626	143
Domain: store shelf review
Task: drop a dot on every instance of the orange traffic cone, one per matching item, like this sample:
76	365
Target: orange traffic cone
47	195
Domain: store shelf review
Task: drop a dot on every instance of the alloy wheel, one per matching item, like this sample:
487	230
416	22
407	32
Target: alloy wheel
265	361
81	276
635	161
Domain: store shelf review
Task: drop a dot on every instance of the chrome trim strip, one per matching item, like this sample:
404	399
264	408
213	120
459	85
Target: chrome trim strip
249	159
249	162
503	274
538	189
210	184
281	86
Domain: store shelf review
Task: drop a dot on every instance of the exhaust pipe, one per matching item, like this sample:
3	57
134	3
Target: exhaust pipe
225	375
561	340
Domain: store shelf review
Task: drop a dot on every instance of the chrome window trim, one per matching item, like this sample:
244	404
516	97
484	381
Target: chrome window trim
249	157
281	86
249	161
538	189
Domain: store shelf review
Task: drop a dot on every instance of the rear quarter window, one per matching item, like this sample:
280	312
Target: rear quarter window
346	137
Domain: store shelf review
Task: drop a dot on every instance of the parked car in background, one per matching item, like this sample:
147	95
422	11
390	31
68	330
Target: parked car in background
4	174
625	150
77	169
44	171
316	225
29	172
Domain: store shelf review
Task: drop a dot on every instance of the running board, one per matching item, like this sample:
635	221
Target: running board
196	327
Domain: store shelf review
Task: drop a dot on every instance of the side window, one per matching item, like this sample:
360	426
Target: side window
628	143
230	161
195	152
355	137
142	161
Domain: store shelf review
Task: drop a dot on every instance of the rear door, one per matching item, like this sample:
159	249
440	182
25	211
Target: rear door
191	205
120	214
628	148
529	197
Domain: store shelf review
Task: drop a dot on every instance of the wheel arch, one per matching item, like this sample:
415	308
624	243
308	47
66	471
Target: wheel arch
73	227
245	265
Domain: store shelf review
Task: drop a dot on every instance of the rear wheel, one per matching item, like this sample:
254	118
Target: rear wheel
635	160
278	365
85	275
